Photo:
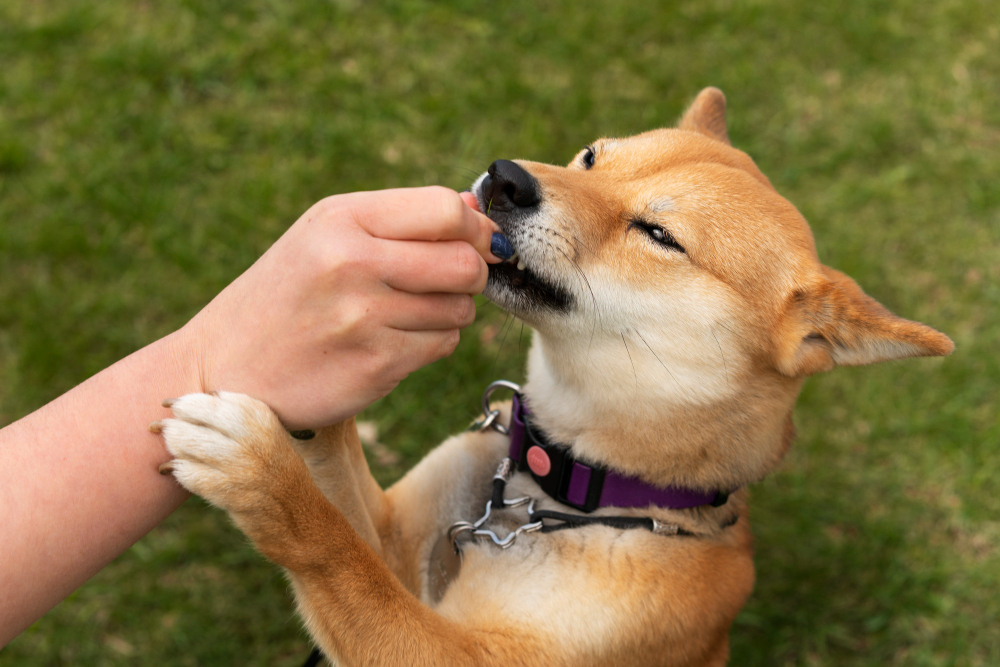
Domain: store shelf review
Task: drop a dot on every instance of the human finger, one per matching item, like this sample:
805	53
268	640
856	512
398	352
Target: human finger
470	200
431	213
415	349
430	312
421	267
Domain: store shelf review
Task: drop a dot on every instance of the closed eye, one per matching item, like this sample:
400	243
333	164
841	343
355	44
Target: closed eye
658	234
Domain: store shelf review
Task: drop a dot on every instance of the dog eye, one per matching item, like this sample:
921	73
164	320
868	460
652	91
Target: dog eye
588	158
659	234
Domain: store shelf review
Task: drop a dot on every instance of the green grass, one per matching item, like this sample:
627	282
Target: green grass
150	151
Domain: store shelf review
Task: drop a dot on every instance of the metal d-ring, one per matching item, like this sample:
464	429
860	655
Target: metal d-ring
457	529
488	421
490	415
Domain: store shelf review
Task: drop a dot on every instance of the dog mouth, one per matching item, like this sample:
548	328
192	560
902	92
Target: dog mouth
523	283
516	275
516	287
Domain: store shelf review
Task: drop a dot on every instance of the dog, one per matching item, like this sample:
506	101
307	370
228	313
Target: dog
678	304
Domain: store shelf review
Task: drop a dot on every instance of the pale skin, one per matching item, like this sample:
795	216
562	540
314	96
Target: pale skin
362	290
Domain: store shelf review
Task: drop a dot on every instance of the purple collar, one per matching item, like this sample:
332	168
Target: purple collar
588	487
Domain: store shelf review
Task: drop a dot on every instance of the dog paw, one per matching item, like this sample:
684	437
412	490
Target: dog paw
229	449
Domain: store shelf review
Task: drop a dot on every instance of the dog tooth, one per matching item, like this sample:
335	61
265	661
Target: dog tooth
520	265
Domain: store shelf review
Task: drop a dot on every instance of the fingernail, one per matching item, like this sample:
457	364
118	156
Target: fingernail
500	246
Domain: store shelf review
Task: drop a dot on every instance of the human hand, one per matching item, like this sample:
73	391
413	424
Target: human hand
362	290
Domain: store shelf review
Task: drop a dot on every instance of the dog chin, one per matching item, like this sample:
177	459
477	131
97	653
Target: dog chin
523	293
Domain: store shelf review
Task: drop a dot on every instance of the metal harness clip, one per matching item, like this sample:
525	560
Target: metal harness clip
489	418
504	472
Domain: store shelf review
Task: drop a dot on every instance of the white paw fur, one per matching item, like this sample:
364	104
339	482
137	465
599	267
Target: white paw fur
224	447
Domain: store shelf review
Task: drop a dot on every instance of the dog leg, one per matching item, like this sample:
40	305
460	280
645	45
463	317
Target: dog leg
336	462
359	612
232	450
419	507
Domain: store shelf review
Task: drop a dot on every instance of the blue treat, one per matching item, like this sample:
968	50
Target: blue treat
500	246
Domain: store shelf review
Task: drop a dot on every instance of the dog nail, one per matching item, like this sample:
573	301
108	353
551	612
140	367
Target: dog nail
156	427
500	246
168	402
166	468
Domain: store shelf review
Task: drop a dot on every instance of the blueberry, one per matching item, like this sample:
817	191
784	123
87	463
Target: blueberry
500	246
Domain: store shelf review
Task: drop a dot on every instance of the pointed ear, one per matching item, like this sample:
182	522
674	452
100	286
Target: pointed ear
834	323
707	115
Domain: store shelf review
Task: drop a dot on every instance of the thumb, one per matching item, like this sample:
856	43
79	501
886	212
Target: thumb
486	228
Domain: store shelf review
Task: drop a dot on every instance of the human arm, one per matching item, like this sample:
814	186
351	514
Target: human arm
360	291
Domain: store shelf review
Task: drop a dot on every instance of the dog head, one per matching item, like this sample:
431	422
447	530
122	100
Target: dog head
678	301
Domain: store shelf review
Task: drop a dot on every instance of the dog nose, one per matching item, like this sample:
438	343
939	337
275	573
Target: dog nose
507	183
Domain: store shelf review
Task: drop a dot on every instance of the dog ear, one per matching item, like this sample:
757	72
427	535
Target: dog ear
707	115
834	323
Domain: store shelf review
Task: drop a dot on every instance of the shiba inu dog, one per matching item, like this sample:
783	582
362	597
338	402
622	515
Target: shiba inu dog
678	304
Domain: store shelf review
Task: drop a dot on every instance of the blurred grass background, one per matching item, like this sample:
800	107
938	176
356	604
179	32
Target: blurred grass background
149	152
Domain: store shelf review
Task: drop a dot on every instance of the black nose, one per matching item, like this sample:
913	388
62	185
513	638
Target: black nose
508	186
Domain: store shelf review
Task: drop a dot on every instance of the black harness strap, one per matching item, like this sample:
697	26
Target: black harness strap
499	484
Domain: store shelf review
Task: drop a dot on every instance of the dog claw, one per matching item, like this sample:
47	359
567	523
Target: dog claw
156	427
168	402
166	468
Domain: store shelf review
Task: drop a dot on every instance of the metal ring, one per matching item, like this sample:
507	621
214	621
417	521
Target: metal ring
505	384
488	412
458	528
486	421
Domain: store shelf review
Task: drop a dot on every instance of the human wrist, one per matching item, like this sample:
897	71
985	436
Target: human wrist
182	353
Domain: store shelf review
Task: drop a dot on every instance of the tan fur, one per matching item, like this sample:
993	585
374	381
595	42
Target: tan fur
678	367
707	115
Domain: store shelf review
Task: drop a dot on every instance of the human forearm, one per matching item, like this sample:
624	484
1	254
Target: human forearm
79	479
362	290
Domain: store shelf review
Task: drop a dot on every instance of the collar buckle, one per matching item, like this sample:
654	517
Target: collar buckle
560	475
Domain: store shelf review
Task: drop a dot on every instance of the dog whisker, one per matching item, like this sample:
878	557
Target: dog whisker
510	319
657	358
574	243
634	374
600	319
578	241
468	171
593	297
725	367
484	303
